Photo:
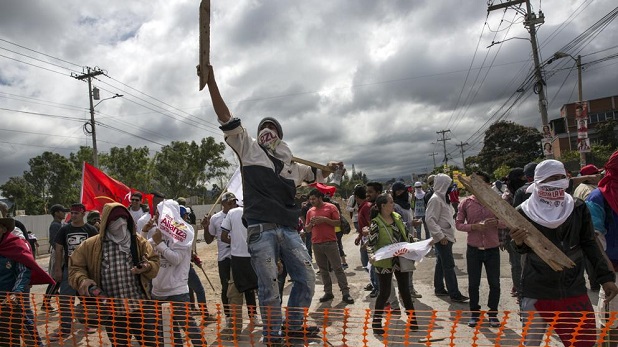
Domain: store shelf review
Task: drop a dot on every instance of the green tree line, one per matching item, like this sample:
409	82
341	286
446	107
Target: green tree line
178	169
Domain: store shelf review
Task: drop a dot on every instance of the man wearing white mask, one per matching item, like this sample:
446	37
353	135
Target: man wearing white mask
272	217
567	223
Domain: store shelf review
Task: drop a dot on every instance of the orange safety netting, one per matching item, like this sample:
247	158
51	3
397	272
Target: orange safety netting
108	321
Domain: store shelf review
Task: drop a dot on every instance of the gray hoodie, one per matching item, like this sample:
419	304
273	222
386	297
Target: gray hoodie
439	214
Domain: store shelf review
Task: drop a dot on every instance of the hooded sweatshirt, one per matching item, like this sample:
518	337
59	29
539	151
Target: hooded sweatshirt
439	214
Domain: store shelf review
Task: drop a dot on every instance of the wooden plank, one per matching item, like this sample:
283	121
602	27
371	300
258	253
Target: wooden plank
204	52
544	248
324	168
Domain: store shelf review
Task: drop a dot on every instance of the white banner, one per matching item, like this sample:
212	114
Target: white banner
172	225
414	251
235	186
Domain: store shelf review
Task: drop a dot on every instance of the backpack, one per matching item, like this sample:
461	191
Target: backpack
345	225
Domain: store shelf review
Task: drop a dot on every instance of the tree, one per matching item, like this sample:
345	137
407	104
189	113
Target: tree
54	180
606	135
510	144
181	167
129	165
84	154
20	192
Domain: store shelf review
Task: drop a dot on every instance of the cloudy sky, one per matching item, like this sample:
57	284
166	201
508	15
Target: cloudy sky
366	82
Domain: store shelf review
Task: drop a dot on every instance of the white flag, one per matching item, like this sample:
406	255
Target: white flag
235	186
413	251
172	225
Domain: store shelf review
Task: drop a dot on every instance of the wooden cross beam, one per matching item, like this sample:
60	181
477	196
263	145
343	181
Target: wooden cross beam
204	54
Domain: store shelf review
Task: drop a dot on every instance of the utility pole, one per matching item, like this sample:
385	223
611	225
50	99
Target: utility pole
461	147
530	22
444	139
89	75
433	155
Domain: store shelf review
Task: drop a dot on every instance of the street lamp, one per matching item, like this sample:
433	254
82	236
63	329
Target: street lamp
578	63
95	95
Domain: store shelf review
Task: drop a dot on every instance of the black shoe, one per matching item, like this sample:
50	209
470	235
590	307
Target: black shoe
461	298
441	293
368	287
415	294
377	328
327	297
304	332
348	299
374	293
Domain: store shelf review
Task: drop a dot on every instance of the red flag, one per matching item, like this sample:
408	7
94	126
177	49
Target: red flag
326	190
99	189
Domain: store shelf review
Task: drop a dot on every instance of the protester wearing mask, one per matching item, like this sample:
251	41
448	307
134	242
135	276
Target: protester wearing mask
419	205
603	205
122	265
272	218
567	223
515	180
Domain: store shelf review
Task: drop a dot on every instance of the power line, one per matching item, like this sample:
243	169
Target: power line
47	55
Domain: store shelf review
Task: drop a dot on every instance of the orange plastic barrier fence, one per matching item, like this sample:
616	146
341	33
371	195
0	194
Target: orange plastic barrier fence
107	322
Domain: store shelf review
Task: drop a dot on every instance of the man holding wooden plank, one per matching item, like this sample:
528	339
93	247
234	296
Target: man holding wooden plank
566	222
271	216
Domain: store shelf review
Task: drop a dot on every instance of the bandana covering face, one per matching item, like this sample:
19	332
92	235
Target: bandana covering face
118	233
269	140
419	193
609	184
549	205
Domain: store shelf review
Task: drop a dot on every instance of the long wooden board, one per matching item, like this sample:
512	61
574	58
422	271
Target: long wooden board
544	248
324	168
204	53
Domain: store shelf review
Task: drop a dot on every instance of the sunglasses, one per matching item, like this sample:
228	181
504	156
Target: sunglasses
135	200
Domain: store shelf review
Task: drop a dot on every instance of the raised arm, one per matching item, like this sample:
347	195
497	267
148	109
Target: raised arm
223	113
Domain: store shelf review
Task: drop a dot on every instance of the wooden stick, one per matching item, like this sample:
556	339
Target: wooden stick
324	168
204	40
544	248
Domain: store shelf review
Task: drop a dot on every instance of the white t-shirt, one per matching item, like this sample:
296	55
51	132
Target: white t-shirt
214	229
238	233
137	214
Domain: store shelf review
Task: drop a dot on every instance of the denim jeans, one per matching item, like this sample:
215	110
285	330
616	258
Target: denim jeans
308	244
445	270
476	259
364	257
182	318
67	293
265	248
515	260
196	285
225	266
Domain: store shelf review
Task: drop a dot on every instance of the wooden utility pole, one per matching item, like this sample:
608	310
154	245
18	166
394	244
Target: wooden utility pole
90	73
443	140
530	22
461	147
433	155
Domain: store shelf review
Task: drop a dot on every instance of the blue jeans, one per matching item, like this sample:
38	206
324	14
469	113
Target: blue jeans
515	260
308	244
445	270
196	285
265	248
182	318
476	259
66	301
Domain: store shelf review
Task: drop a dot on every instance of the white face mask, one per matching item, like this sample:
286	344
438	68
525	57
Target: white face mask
119	224
552	191
268	139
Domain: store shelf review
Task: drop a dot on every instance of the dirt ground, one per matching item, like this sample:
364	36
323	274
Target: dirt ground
442	321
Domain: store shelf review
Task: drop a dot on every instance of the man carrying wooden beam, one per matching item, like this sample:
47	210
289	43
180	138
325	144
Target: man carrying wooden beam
566	222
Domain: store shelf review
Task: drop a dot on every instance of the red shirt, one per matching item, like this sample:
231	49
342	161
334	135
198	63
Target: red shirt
323	232
364	215
472	212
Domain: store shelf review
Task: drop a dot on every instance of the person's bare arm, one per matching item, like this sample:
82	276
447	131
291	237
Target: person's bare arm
221	109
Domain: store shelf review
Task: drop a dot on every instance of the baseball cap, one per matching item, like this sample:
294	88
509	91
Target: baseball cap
418	184
56	208
228	196
93	215
589	169
529	169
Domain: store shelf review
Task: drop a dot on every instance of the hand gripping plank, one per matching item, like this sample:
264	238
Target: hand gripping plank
204	54
544	248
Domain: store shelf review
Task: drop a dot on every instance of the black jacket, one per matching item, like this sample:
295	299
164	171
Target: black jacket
575	237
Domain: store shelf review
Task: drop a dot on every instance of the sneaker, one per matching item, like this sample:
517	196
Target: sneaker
442	292
327	297
344	266
374	293
494	322
304	332
57	336
461	298
415	294
348	299
368	287
473	322
90	330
